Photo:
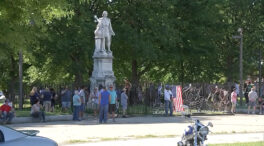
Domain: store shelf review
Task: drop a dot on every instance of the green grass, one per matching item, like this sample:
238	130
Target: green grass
95	139
78	141
26	113
260	143
139	109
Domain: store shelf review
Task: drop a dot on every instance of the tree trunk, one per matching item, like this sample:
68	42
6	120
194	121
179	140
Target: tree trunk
78	79
13	79
229	69
133	98
182	73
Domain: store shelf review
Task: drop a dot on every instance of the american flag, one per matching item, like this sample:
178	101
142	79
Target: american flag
177	100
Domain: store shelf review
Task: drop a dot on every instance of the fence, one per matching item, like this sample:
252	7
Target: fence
148	97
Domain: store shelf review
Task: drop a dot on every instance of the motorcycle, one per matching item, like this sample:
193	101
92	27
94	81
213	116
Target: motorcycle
196	134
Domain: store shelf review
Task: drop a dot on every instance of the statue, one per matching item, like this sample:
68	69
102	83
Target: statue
103	33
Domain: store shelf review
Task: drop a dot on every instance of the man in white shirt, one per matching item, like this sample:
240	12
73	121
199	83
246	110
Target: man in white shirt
168	100
252	95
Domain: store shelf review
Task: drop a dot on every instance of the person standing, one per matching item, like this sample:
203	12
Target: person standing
94	96
37	112
47	99
34	96
261	105
237	89
82	108
233	100
252	96
76	105
168	100
113	97
104	99
124	98
53	99
66	99
247	87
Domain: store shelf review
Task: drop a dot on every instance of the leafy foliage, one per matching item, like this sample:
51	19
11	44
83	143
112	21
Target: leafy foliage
158	41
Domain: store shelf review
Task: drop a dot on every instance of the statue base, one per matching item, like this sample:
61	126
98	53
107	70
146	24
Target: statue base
102	70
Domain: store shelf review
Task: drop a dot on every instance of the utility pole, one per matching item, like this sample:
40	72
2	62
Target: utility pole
20	79
260	70
240	36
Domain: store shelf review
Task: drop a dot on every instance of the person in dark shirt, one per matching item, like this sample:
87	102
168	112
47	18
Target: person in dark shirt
66	96
261	105
53	99
46	95
34	96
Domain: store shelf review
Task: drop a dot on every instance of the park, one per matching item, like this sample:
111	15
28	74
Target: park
133	72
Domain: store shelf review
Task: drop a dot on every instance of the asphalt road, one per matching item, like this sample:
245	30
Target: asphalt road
212	139
69	132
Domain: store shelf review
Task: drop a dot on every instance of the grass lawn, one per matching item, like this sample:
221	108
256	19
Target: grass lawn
260	143
26	113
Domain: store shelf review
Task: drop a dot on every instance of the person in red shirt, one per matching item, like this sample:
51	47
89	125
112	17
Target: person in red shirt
6	113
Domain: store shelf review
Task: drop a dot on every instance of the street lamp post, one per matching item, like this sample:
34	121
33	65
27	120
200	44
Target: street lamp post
20	79
260	78
240	36
260	64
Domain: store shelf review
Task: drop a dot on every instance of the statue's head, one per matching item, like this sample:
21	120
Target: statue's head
104	14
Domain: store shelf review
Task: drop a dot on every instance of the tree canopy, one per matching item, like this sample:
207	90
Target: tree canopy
156	41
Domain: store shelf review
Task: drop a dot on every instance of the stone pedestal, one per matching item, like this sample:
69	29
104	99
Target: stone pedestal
102	70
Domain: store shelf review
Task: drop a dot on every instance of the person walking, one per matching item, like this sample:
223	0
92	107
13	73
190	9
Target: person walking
113	97
168	100
104	99
76	105
252	96
233	100
124	98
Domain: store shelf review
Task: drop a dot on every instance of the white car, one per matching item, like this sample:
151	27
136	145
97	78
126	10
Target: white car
2	96
11	137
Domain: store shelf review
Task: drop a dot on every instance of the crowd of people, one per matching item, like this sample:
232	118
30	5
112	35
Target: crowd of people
251	97
102	100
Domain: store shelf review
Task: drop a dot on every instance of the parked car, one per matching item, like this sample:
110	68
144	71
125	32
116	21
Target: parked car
2	96
11	137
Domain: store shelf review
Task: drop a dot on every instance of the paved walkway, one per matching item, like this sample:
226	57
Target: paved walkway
89	130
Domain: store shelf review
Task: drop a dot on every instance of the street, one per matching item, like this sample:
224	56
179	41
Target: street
69	132
229	138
